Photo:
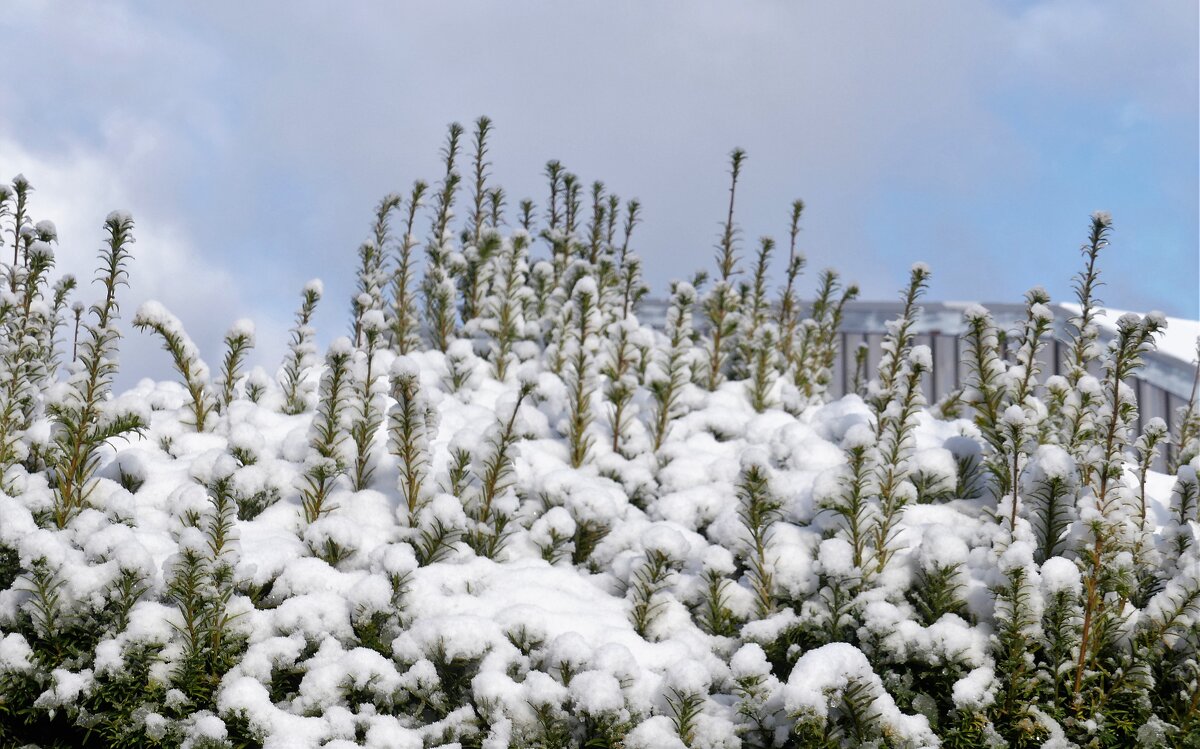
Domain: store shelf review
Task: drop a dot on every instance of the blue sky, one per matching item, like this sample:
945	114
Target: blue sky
251	140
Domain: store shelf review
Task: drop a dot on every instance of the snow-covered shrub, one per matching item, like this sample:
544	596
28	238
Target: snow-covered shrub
984	391
895	427
836	699
1104	511
480	240
1050	499
27	326
372	280
719	573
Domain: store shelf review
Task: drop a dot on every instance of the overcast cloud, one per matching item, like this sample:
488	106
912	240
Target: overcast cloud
251	140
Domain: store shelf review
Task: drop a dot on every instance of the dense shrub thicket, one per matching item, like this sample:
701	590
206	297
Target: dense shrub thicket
504	512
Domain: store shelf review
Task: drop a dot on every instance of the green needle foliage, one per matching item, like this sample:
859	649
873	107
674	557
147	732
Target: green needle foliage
506	308
186	358
83	418
896	345
301	357
367	409
649	579
788	306
675	368
480	246
583	314
329	432
1187	431
1107	535
491	479
759	336
621	380
438	288
1084	330
21	359
201	586
896	444
815	349
405	320
721	305
985	373
851	503
238	342
411	422
759	510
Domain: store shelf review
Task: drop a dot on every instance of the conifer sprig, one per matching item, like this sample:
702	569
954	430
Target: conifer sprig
759	510
1038	320
788	306
301	357
1187	432
438	288
674	366
895	348
815	352
851	503
22	355
83	420
405	320
631	288
1083	328
480	245
1133	339
649	579
329	432
238	342
491	479
895	446
721	304
20	199
369	389
505	309
580	378
186	357
411	422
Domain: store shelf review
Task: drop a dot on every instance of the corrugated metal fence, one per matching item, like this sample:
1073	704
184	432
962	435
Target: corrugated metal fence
1163	385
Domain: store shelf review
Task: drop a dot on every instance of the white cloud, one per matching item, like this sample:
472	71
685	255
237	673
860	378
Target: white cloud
258	140
76	188
1143	53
